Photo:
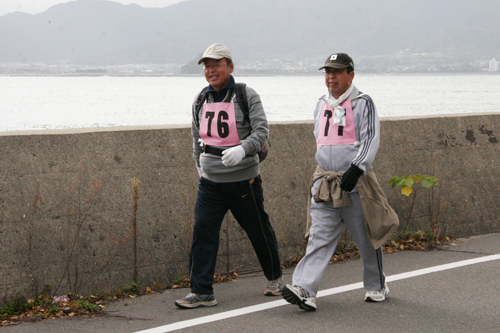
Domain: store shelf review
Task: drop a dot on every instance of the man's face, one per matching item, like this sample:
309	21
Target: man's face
217	72
338	80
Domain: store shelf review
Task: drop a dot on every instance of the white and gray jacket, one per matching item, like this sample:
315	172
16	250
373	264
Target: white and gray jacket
339	157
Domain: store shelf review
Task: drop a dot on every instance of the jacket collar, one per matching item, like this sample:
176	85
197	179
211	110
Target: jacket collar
221	94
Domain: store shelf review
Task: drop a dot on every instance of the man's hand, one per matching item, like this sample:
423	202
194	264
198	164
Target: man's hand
233	156
350	178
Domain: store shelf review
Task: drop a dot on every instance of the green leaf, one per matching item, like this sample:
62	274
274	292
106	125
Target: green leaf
426	183
393	181
409	182
400	182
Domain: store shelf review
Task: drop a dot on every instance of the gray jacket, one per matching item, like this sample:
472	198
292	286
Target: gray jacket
253	137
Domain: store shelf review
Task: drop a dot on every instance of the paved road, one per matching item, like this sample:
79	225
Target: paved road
455	290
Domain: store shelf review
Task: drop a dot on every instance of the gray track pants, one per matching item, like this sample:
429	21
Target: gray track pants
327	224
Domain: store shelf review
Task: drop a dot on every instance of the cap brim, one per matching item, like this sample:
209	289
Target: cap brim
214	57
338	66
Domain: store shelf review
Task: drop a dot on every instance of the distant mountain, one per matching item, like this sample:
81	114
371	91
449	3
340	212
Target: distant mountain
105	33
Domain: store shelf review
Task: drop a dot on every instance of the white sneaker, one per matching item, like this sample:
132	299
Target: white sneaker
377	295
298	296
274	287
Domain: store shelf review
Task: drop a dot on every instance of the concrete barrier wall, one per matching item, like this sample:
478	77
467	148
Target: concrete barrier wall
92	210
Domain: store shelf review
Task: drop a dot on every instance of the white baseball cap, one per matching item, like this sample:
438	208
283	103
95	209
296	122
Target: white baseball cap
216	51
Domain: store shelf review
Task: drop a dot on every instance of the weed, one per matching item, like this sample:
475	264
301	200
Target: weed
13	308
182	282
86	305
412	184
132	288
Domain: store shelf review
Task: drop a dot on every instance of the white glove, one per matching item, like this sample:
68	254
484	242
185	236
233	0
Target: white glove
233	156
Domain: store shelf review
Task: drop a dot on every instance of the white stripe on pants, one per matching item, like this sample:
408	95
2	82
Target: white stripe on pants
327	224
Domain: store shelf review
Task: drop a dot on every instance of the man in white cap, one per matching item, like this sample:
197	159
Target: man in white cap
228	131
347	132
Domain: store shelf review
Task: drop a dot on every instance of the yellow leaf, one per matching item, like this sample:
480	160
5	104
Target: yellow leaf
407	191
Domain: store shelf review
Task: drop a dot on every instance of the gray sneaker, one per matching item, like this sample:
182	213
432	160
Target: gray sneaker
274	287
298	296
193	300
377	295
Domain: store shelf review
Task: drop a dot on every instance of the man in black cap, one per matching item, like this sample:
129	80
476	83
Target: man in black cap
347	132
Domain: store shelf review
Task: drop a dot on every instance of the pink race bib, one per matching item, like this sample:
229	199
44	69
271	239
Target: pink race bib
333	135
218	125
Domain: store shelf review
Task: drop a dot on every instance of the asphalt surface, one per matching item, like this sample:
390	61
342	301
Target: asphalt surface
451	290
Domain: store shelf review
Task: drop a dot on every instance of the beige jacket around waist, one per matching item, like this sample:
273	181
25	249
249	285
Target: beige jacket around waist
380	219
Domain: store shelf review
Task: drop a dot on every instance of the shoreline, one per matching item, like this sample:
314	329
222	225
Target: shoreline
237	74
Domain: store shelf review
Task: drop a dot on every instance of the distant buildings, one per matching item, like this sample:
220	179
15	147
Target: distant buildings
494	65
396	63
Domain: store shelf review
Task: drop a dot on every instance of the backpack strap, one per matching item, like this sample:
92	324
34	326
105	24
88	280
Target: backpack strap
241	97
202	96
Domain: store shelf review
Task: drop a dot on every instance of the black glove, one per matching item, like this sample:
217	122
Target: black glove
350	178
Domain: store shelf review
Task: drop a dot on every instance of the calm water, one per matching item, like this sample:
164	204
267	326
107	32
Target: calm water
74	102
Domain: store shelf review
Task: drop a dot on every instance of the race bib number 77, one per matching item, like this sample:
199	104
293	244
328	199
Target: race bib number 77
333	135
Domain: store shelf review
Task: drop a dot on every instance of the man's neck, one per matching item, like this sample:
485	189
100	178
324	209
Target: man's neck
220	94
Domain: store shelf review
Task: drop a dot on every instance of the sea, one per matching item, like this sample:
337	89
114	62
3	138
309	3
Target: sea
53	102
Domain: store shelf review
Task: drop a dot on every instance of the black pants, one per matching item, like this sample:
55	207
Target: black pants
245	200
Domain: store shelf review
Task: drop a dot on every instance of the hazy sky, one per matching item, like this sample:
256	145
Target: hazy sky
38	6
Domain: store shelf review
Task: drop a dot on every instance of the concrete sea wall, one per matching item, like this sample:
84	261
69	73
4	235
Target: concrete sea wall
91	210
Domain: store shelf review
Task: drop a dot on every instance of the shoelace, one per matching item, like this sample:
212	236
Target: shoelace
302	292
191	295
274	284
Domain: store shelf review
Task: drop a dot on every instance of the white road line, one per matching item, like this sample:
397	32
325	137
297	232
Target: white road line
322	293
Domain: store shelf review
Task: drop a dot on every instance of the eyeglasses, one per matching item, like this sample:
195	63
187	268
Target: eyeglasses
207	67
333	72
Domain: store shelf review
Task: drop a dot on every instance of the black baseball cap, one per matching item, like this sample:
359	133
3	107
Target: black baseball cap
338	60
